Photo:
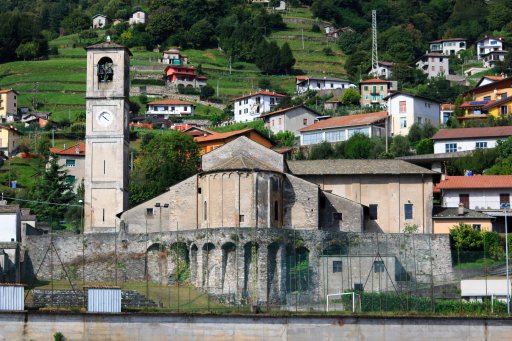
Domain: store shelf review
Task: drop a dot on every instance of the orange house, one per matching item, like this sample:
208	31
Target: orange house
214	141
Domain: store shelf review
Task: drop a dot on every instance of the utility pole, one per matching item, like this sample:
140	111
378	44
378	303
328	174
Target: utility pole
229	64
375	56
217	88
303	39
53	137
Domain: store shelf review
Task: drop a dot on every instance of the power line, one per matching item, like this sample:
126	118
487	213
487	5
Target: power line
41	202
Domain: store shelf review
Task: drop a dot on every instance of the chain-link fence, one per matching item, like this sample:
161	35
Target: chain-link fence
253	270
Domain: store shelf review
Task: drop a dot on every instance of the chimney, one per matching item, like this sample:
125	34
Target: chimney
443	177
460	210
77	149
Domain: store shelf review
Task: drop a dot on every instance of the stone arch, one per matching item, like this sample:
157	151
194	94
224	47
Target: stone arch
297	268
229	274
250	271
274	275
105	70
193	263
189	86
179	263
208	265
156	263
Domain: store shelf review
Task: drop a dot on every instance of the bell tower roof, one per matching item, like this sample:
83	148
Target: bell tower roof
108	45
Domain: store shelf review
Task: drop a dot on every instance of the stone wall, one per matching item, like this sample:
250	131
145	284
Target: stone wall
246	264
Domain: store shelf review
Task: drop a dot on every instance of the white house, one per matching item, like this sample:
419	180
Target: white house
10	223
305	83
449	46
100	21
290	119
174	57
138	17
492	58
406	109
475	290
384	70
488	44
433	64
341	128
249	107
488	80
467	139
170	108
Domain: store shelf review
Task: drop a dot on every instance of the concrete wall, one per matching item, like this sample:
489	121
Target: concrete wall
120	327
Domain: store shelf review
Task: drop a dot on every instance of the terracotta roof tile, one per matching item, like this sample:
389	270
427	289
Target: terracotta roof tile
373	80
288	109
351	167
347	121
169	102
447	106
222	136
263	93
467	133
71	150
447	39
477	181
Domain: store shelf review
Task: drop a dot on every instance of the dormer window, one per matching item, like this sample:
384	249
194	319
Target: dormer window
105	70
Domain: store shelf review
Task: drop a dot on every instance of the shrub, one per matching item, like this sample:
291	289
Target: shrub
315	28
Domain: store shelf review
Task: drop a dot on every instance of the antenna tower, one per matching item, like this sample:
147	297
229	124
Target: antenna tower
375	56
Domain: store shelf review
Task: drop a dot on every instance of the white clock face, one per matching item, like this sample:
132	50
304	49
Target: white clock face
105	118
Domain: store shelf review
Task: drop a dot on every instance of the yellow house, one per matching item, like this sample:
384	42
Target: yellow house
489	99
8	102
9	140
446	218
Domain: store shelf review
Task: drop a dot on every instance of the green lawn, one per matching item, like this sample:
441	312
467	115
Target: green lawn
24	171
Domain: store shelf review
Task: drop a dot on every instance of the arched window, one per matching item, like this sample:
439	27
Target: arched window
276	210
205	211
105	70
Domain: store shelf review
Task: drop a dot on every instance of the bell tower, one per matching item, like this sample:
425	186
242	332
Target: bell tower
107	149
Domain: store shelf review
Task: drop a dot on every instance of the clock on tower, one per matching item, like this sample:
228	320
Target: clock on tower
106	160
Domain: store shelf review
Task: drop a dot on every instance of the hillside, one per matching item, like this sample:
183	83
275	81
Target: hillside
58	84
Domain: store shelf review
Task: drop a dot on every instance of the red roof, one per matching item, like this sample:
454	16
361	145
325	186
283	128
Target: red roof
71	150
447	106
288	109
347	121
169	102
475	104
7	91
494	78
223	136
468	133
261	92
447	39
477	181
373	80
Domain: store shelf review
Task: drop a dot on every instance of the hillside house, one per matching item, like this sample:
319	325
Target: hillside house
8	103
290	119
73	160
100	21
383	70
483	98
174	57
341	128
488	80
433	64
488	44
484	193
373	91
138	17
493	58
213	141
448	46
177	76
445	218
446	112
170	108
468	139
395	193
405	109
250	107
306	83
333	103
10	138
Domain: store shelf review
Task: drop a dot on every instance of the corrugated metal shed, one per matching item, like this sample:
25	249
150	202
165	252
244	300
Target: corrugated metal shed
12	297
104	299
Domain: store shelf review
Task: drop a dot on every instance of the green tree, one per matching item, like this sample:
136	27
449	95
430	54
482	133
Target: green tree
400	146
425	146
286	59
351	97
201	34
162	22
207	91
321	151
359	146
348	42
52	193
76	22
464	236
27	50
163	161
285	138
